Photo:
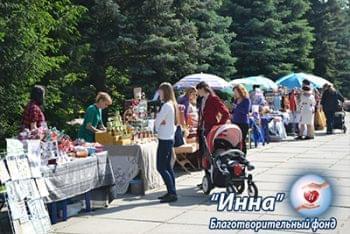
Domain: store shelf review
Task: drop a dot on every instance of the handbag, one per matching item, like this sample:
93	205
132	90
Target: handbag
320	120
179	139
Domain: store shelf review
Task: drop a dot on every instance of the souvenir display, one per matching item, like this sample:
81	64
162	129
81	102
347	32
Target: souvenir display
12	166
142	123
41	226
25	193
46	223
23	167
24	228
137	93
14	147
136	126
117	132
20	189
40	182
27	189
37	209
35	134
55	147
18	210
34	157
11	191
4	175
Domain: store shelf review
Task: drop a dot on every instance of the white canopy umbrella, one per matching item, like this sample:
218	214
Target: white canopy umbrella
213	81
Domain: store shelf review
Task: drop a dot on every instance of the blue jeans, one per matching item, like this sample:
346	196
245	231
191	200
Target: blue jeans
164	153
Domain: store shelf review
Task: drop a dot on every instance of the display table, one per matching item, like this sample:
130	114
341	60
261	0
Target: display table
128	161
78	177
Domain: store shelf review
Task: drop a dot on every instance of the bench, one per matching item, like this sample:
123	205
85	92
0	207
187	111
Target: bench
181	155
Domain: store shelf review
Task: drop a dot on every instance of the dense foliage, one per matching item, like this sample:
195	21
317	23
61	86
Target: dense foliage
76	48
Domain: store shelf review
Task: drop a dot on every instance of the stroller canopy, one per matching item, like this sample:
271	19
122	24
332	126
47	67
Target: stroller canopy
229	132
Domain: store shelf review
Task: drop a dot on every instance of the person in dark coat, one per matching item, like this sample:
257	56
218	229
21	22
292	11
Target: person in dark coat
330	103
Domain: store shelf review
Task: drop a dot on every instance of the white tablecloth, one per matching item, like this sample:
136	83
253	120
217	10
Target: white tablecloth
128	161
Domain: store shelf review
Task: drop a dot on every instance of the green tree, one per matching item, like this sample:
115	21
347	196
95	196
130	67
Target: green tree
32	34
325	17
102	30
214	39
297	34
273	37
162	45
331	48
260	45
343	78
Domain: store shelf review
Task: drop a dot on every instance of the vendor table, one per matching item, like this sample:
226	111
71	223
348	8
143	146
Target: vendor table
78	177
130	160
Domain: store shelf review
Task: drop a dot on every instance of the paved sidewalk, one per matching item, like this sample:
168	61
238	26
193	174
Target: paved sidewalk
276	165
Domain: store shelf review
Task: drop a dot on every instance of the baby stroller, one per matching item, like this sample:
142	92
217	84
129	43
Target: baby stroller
339	121
225	164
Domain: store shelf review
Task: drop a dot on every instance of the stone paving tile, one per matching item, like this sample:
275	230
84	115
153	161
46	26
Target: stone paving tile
182	228
148	213
108	226
203	217
329	161
72	221
184	203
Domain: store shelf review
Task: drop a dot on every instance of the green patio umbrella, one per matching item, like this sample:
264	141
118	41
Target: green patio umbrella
248	82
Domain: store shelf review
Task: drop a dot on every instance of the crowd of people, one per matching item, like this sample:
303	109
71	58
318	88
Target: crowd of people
204	109
300	104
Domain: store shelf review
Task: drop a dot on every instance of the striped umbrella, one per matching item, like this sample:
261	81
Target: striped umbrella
213	81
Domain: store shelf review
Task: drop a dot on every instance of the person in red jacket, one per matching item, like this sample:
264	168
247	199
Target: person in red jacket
212	111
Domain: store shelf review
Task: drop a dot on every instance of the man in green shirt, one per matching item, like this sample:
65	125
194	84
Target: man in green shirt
93	118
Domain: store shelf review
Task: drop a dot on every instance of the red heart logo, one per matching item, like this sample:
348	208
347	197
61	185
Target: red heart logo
311	196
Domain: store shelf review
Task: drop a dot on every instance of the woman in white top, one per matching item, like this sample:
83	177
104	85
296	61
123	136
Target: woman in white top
307	109
165	125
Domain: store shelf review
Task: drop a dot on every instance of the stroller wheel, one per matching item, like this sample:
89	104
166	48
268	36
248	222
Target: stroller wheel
252	190
230	188
240	186
344	129
207	185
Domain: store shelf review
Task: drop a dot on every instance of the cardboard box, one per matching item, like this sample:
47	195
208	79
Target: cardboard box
105	138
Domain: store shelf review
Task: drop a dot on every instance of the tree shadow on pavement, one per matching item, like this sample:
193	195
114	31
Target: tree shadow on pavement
188	196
